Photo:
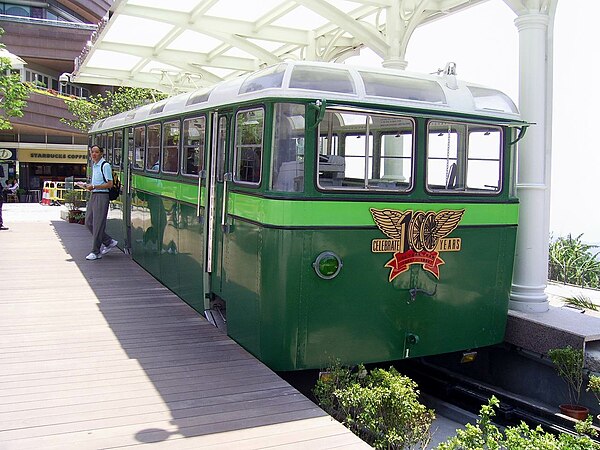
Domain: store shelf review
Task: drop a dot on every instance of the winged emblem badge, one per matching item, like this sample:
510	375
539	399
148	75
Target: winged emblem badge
416	237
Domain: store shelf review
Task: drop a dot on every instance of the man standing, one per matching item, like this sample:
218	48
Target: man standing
97	208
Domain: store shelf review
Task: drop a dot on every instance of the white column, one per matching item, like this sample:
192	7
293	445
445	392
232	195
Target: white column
533	180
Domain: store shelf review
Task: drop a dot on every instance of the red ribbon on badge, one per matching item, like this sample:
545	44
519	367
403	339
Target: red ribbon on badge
431	262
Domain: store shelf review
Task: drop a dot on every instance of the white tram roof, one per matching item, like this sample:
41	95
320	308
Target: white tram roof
332	82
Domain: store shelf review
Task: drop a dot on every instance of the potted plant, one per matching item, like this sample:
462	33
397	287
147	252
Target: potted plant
569	365
73	202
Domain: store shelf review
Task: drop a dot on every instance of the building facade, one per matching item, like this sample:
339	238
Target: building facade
47	37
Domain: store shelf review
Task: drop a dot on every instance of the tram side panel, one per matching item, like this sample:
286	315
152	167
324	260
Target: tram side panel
299	320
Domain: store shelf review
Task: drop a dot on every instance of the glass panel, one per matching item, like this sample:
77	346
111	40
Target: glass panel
288	148
365	151
268	78
464	158
322	79
118	146
193	146
395	86
221	148
139	144
170	146
108	150
199	97
492	99
153	148
248	146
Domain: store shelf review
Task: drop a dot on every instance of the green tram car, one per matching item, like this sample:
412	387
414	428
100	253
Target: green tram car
323	211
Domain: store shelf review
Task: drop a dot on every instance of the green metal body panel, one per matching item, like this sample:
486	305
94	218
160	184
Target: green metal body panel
281	311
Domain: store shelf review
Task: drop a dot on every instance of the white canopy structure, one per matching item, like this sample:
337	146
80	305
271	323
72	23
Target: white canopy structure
181	45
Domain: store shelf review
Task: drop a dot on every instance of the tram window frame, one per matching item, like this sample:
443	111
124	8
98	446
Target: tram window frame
245	166
461	157
139	147
288	147
190	145
164	147
157	140
108	149
118	148
332	168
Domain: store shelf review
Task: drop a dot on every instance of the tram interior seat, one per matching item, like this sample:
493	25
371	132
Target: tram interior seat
290	177
332	169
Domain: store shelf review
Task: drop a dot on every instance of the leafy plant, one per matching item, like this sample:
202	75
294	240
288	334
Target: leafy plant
581	301
485	435
572	261
381	407
569	365
13	93
74	199
96	107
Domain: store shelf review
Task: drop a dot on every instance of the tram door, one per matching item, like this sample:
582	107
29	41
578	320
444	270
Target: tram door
218	180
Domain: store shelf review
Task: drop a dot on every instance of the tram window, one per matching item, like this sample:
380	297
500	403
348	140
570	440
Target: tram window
394	86
193	146
118	146
464	158
153	148
139	144
170	150
288	148
267	78
365	151
322	79
108	149
221	148
249	128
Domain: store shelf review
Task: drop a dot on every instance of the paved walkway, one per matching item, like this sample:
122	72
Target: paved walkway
98	354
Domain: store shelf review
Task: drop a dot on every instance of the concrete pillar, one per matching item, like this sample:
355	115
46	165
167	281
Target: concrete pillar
533	179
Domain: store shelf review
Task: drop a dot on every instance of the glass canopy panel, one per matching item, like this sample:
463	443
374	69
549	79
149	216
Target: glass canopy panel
137	31
194	42
493	100
271	77
246	11
114	60
179	5
322	79
394	86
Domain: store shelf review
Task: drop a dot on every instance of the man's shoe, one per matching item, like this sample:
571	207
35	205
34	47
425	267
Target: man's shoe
104	249
92	256
2	227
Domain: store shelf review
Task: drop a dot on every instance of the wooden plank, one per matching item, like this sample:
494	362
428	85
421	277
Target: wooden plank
101	355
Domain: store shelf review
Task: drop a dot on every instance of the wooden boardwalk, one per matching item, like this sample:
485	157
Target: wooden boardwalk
98	354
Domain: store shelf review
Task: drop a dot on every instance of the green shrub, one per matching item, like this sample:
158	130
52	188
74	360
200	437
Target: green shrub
485	435
381	407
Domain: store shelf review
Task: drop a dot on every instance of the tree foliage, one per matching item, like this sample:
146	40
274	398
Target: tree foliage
13	93
572	261
99	106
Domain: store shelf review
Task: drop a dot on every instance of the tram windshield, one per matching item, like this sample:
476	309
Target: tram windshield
365	151
464	158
